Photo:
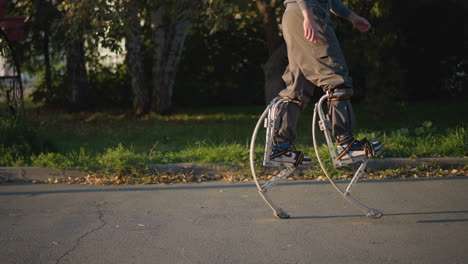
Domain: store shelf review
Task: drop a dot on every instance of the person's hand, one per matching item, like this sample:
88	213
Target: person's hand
310	30
360	23
310	26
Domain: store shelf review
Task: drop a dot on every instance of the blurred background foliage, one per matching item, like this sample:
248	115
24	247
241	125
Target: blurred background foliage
416	50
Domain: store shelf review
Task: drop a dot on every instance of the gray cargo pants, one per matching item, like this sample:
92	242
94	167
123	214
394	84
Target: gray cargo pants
311	65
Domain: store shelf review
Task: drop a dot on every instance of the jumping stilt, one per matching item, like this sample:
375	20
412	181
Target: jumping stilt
325	126
269	121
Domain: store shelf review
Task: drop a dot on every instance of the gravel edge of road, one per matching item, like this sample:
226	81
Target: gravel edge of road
36	174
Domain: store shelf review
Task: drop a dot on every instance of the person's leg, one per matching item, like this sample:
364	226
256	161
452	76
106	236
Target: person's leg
297	86
299	89
322	64
341	113
288	116
330	72
314	64
339	105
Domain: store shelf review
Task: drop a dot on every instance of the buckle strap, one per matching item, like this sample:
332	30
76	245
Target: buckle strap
289	100
298	158
346	140
339	98
280	152
345	150
339	94
368	148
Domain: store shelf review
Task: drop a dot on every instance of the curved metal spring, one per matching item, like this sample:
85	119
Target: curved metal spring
268	118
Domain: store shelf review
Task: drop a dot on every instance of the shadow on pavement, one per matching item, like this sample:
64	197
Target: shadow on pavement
393	214
443	221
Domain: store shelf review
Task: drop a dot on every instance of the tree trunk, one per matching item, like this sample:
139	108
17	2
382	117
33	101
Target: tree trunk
38	4
270	24
273	70
77	78
168	42
47	66
135	64
275	65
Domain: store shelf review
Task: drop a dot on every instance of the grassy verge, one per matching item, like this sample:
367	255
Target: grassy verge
117	145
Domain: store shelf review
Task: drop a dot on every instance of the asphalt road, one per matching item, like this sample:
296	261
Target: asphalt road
425	221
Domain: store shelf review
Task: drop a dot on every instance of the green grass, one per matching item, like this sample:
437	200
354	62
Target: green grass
115	140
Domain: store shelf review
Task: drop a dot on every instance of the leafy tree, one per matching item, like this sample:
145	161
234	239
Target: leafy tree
40	50
170	22
401	58
227	46
135	55
223	57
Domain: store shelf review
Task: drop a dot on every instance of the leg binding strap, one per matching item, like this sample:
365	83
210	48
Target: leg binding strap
351	141
369	148
280	151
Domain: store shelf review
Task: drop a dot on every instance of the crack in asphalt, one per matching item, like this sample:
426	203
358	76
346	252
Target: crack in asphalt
100	217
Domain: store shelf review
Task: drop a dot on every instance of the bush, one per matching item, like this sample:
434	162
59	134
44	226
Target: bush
120	159
18	141
423	141
110	88
11	156
51	160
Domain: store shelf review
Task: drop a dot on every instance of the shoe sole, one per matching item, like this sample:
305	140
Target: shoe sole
361	154
275	162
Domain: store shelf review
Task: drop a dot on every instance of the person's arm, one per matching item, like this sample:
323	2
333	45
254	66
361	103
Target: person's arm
309	24
359	22
339	9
